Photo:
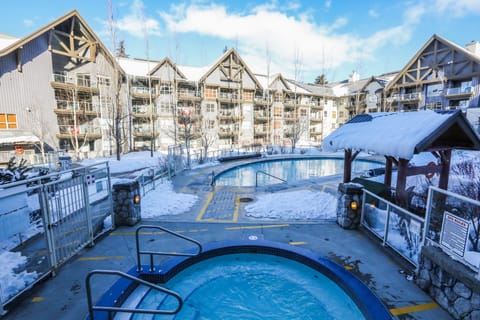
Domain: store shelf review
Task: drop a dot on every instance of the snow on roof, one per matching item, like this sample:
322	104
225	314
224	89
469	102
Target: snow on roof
194	73
6	40
393	134
17	136
137	67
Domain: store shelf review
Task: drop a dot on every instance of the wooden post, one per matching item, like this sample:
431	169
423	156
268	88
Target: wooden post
388	172
445	156
347	166
402	182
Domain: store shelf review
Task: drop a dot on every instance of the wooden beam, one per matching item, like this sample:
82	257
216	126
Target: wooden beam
401	193
347	166
446	156
388	171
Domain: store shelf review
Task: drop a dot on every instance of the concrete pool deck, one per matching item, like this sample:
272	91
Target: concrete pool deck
388	276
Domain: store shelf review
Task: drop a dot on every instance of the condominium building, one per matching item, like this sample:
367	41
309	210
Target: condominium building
58	91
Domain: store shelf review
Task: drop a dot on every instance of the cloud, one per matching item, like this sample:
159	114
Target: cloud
321	46
373	13
27	22
137	23
456	8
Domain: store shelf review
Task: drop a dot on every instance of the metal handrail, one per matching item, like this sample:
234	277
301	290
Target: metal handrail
267	174
92	308
155	253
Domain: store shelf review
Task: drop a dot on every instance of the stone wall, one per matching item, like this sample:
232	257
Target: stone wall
450	283
126	211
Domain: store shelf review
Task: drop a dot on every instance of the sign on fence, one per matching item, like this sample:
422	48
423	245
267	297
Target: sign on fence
454	233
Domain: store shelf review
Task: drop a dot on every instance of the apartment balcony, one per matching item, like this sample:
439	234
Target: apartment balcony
227	133
81	132
260	117
410	97
144	132
188	95
71	81
143	92
459	93
261	131
316	119
143	111
317	105
229	96
66	107
314	133
262	100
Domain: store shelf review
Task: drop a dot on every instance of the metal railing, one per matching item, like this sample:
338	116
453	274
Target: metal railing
110	310
50	218
150	179
398	228
465	213
266	174
151	254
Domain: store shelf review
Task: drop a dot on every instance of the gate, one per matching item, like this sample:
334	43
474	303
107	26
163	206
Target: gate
46	220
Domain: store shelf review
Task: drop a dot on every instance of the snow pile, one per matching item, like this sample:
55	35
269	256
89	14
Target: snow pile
132	161
294	205
11	282
165	201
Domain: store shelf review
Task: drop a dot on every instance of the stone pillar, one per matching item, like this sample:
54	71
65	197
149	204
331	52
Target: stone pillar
347	217
126	202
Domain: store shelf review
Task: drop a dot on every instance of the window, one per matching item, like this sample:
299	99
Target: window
103	81
325	114
303	112
248	95
210	124
165	89
210	107
8	121
334	114
276	125
341	114
277	112
83	79
210	93
166	108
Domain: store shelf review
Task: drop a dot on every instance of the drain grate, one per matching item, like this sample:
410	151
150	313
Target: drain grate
246	199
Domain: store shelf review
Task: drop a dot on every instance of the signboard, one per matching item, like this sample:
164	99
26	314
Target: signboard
454	233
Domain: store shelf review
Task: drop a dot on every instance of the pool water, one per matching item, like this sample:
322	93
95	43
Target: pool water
287	169
253	286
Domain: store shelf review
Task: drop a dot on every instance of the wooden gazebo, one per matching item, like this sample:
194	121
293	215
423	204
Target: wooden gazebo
398	136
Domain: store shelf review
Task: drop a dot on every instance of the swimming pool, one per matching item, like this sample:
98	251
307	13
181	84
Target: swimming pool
290	170
250	280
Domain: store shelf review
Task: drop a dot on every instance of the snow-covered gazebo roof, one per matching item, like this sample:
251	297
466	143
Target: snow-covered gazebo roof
403	134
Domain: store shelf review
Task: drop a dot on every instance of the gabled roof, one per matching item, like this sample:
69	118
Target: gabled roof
166	60
403	134
415	58
279	78
223	57
74	13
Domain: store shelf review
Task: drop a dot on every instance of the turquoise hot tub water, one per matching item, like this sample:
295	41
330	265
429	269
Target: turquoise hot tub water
290	170
253	286
245	279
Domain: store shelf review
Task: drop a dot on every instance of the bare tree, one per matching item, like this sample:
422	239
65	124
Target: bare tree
40	128
116	108
187	120
207	137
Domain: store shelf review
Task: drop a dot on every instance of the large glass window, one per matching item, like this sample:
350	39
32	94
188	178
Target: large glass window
8	121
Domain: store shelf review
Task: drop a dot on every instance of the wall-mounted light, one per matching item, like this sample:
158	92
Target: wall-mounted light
354	205
136	199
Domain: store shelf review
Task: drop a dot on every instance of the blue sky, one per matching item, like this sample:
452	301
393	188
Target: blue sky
300	39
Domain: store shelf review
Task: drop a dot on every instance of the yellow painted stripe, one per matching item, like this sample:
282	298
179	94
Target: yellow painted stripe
414	308
100	258
37	299
235	213
132	233
202	212
258	227
297	243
